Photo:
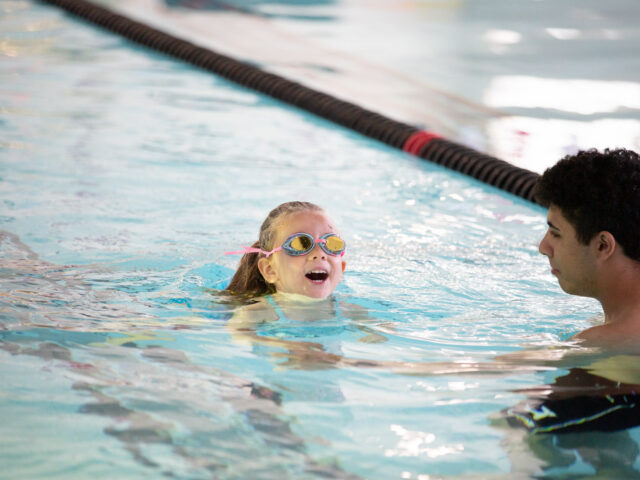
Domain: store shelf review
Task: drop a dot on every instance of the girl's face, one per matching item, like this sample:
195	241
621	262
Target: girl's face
316	274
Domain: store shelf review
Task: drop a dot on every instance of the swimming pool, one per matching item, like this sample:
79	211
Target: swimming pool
124	178
526	82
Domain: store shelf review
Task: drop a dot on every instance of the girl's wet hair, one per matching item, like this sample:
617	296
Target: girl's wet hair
248	280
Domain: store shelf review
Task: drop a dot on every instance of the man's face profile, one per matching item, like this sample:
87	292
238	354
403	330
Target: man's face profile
572	262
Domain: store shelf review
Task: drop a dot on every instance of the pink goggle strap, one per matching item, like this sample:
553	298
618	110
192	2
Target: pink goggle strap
253	250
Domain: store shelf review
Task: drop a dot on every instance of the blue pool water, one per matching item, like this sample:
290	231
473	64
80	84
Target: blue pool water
527	81
125	176
546	78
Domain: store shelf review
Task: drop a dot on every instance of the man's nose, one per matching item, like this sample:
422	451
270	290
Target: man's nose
543	247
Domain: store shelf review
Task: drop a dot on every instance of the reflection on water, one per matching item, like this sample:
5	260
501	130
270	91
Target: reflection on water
149	375
581	422
287	9
125	369
585	97
544	78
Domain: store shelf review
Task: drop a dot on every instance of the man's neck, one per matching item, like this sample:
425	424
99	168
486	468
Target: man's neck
620	293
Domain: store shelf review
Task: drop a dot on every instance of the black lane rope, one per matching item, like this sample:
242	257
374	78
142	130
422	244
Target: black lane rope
423	144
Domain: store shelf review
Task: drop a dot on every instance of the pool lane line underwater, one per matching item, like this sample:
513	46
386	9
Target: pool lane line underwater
423	144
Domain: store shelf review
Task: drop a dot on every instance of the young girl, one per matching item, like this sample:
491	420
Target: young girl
290	273
299	251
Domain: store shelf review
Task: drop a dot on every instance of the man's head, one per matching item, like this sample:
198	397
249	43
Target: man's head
596	192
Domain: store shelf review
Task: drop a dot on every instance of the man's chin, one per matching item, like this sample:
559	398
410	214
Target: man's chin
573	290
565	288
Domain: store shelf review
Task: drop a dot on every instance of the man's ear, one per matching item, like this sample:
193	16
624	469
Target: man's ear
344	265
604	244
266	269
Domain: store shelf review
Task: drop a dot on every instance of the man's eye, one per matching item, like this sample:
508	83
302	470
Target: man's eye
554	234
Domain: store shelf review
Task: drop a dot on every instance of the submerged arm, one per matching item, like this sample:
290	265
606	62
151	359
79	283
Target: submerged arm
243	328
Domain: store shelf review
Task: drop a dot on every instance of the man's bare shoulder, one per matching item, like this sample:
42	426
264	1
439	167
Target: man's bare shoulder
621	335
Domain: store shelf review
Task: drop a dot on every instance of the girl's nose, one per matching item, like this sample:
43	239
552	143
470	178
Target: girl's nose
317	252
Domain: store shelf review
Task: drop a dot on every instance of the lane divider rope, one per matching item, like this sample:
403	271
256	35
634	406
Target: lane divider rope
421	143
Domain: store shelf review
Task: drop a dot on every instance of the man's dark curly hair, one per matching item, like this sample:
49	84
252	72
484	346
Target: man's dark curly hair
597	191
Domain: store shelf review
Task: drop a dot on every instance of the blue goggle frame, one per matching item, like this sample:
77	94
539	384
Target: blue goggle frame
302	243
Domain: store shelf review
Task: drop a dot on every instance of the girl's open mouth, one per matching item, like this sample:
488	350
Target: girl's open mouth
317	276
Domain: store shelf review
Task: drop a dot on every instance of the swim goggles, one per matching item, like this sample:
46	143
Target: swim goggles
302	243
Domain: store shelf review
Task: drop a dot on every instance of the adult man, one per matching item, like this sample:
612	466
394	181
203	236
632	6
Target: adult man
593	239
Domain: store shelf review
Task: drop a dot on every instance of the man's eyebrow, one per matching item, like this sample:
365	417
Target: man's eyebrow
551	225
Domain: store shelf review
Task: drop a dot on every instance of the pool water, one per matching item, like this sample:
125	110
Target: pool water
124	178
527	81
